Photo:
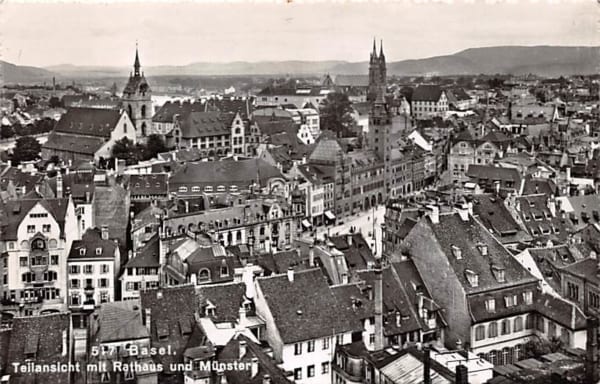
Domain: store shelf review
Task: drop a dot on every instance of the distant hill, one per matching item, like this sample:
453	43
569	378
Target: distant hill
541	60
10	74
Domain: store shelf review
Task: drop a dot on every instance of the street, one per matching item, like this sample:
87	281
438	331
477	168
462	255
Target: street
363	223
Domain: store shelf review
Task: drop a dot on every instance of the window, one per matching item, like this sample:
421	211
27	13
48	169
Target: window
490	305
208	188
510	301
195	189
182	189
204	275
594	300
529	321
104	297
493	329
551	329
479	332
46	228
224	271
74	269
310	371
339	339
105	268
518	324
326	343
505	327
74	283
528	297
298	374
98	251
88	269
325	368
540	324
54	260
103	283
298	349
31	229
572	291
311	346
23	261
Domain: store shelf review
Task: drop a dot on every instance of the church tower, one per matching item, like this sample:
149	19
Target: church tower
137	100
377	72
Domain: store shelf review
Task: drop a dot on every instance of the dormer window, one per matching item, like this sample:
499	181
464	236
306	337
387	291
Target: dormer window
498	273
98	251
472	278
490	305
82	251
526	217
456	251
510	301
483	248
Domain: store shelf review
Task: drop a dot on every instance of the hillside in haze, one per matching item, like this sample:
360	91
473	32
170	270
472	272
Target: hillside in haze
541	60
10	73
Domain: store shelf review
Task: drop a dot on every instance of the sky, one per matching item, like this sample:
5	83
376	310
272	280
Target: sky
105	34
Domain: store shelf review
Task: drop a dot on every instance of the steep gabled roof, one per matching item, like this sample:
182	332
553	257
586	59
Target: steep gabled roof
88	122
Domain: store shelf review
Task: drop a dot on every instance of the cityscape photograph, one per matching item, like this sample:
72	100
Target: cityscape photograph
309	192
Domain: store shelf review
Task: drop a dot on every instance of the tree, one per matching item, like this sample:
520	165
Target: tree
6	132
539	347
26	149
126	150
154	146
335	114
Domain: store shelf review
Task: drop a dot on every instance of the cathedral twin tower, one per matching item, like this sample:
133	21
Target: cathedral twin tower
377	73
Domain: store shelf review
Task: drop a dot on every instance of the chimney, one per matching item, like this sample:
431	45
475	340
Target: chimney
349	240
435	214
149	321
104	232
290	274
194	279
573	316
470	208
242	314
65	346
568	169
420	303
59	185
378	308
398	319
426	365
311	256
461	375
254	369
88	197
266	379
591	347
344	278
242	349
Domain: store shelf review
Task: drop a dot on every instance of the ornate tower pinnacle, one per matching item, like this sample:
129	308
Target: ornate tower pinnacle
136	64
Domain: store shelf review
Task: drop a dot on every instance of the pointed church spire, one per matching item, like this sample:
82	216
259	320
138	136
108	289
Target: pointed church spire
374	54
381	49
136	64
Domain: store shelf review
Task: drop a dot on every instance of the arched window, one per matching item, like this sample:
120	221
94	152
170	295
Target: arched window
529	321
52	243
143	129
130	110
479	332
493	329
505	327
143	111
204	275
24	244
518	324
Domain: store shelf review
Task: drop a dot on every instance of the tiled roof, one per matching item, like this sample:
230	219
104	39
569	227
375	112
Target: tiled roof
467	236
497	219
266	365
491	173
539	185
279	262
40	338
92	246
358	255
399	315
561	311
241	173
227	299
120	321
201	124
270	125
538	219
306	308
135	84
88	122
427	93
111	208
73	143
479	313
14	211
169	110
172	320
587	269
327	150
147	256
150	184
